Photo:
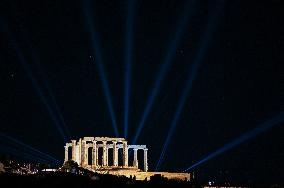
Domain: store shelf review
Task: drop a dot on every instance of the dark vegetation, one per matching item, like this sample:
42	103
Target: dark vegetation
62	179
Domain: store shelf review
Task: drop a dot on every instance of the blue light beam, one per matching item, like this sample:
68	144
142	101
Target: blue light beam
41	95
276	120
34	83
99	63
23	155
50	93
183	21
2	135
128	59
191	77
45	79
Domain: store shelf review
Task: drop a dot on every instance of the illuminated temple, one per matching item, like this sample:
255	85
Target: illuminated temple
80	152
85	152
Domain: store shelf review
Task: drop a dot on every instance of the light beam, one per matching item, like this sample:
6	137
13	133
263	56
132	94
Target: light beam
192	75
99	63
165	65
22	155
276	120
14	140
45	79
52	98
48	88
34	81
128	59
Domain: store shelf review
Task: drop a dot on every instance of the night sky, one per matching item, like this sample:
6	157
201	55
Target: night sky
239	84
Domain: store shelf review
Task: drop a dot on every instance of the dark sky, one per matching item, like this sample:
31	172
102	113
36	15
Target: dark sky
238	86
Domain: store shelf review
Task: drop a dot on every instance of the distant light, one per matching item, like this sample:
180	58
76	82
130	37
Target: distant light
211	183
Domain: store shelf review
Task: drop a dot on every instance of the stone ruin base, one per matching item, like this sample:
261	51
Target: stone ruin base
146	175
141	175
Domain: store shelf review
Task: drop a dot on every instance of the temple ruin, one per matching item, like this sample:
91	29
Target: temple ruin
85	152
81	147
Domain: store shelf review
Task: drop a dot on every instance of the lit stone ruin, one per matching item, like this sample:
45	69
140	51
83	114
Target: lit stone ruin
80	153
93	153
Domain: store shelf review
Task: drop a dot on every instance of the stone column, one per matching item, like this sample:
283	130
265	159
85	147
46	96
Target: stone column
125	154
66	154
107	156
77	156
135	158
104	154
97	156
80	152
83	154
73	150
145	160
115	154
94	154
86	154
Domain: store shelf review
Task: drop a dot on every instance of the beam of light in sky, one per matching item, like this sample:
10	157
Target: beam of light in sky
276	120
99	62
41	95
22	155
183	21
128	59
45	79
191	77
50	93
28	147
35	84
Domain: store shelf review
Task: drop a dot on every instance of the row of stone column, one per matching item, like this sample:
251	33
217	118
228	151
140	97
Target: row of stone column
135	159
105	154
83	154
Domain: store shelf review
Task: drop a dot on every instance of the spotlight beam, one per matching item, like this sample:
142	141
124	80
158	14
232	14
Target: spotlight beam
23	155
52	97
14	140
45	79
128	59
41	95
99	63
192	75
34	82
276	120
185	17
49	91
